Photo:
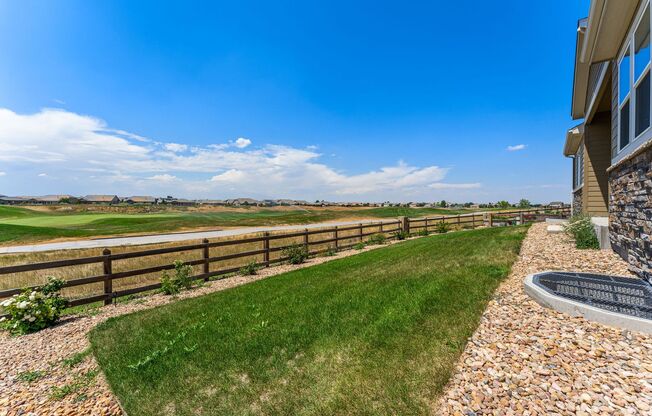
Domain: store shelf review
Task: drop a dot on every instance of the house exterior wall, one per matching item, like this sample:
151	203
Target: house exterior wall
597	158
614	109
577	202
630	205
630	199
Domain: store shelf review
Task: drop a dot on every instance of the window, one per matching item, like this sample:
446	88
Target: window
624	71
634	110
578	168
642	73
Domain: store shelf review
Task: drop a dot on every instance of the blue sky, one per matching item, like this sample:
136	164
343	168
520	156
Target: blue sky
336	100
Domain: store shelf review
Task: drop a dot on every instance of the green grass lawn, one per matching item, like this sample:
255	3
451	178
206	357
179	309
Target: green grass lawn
20	225
374	333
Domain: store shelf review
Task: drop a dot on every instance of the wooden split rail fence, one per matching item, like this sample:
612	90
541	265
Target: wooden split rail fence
350	235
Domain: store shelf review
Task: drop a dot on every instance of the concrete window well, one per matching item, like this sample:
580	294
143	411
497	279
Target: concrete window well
622	302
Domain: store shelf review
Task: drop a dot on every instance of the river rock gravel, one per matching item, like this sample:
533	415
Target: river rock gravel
525	359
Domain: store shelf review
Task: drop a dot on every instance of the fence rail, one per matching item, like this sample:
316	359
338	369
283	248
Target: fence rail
336	236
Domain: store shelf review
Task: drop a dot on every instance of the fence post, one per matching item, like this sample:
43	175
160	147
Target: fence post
459	224
426	225
206	254
360	231
266	248
405	224
337	239
491	220
108	278
381	228
521	218
305	240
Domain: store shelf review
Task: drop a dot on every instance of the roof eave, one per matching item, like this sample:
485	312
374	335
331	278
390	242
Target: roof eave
580	77
573	140
607	26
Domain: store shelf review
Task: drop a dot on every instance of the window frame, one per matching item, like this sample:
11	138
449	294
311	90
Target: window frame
629	46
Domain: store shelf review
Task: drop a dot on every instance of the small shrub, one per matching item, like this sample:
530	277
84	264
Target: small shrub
296	253
580	228
30	376
401	235
377	239
172	285
423	232
76	358
250	269
34	309
442	227
359	246
330	252
80	382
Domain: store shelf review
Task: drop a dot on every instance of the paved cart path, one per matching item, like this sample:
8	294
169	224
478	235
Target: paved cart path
167	238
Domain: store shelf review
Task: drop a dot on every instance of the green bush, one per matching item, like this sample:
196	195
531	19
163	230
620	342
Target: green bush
296	253
442	227
330	252
34	309
172	285
423	232
250	269
401	235
377	239
580	228
359	246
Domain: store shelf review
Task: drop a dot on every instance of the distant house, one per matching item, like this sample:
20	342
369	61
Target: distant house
243	202
285	202
611	148
556	204
212	202
182	202
101	199
16	200
139	200
55	199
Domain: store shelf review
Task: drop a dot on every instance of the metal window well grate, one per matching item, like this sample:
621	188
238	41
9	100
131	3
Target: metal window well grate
623	295
622	302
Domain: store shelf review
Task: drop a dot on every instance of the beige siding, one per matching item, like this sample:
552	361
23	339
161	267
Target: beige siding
597	158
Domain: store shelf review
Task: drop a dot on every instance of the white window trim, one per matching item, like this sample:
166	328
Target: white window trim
634	142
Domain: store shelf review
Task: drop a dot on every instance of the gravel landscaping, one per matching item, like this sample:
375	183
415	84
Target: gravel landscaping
52	372
528	360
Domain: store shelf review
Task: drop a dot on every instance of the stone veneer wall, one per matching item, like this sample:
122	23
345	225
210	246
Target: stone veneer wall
577	201
630	212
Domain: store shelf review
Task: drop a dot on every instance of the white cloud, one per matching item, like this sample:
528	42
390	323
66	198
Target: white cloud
516	148
441	185
241	143
230	176
163	178
75	145
42	175
3	173
176	147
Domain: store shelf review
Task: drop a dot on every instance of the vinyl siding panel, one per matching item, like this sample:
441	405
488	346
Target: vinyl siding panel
614	109
597	158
